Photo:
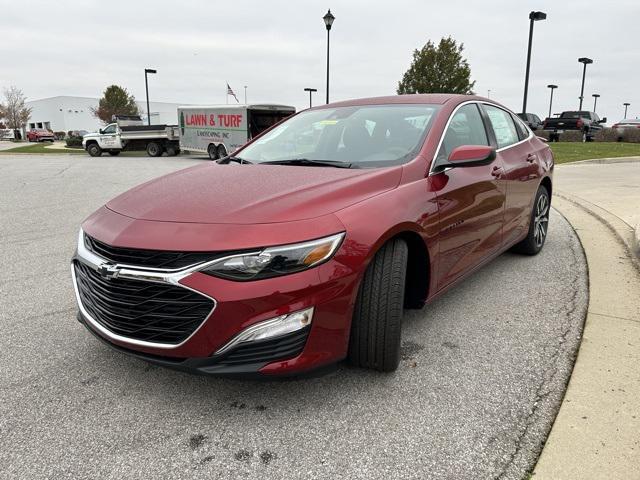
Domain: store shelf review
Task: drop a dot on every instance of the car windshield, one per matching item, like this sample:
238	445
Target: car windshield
363	136
575	115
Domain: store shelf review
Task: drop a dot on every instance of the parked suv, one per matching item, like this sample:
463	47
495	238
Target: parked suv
532	120
304	247
40	135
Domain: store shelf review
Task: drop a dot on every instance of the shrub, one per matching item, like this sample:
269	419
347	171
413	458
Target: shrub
74	142
631	135
541	133
606	135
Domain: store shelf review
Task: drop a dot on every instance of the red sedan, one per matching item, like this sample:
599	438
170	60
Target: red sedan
304	247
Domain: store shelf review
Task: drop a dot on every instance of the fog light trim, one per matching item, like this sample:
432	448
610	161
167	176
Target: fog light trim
273	327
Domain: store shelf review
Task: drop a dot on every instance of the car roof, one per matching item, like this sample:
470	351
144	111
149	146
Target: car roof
428	98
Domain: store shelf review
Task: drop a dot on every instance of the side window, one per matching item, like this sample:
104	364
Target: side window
503	126
110	129
466	128
523	131
595	117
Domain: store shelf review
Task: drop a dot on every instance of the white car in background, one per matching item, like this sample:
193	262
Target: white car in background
624	127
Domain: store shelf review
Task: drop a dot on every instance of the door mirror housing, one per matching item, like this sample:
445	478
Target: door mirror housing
101	132
603	120
471	156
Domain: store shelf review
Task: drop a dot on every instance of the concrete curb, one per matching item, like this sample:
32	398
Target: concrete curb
602	160
595	432
628	236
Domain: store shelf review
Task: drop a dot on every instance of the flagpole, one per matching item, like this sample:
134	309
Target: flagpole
227	90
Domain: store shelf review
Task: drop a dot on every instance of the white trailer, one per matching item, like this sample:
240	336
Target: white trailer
130	133
218	130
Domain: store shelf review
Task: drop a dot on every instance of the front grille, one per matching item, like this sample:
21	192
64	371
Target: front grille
148	258
286	346
152	312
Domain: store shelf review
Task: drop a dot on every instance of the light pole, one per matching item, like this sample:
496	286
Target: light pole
595	96
533	17
310	90
586	61
245	95
328	21
146	87
626	105
552	88
489	93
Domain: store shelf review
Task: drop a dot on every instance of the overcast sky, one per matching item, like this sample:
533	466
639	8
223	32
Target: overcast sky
277	48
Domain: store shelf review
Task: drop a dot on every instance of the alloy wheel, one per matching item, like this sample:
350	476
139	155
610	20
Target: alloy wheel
541	220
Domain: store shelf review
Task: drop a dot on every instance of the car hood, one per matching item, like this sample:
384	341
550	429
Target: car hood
250	194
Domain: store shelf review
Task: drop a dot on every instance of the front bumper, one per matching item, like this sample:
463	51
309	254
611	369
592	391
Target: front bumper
329	288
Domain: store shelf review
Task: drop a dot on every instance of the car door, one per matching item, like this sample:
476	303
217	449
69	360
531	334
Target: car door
520	176
109	138
470	199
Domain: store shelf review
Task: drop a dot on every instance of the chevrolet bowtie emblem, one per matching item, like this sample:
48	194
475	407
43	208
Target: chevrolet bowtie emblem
108	271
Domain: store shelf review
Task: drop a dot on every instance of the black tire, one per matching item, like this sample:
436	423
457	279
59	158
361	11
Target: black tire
222	151
377	318
94	150
538	225
114	153
172	150
154	149
212	151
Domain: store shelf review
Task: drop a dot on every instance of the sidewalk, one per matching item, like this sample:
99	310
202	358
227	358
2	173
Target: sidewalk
596	433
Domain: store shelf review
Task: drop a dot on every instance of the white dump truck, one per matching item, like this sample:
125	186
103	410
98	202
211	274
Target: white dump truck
220	129
129	132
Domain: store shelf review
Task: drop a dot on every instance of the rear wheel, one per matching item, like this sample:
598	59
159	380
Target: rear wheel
538	225
212	151
94	150
114	153
154	149
377	319
222	151
172	150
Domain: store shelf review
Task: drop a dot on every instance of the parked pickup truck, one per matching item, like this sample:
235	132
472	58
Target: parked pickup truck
40	135
586	122
129	133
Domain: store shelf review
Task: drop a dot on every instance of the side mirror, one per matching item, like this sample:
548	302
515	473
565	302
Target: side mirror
101	131
471	156
603	120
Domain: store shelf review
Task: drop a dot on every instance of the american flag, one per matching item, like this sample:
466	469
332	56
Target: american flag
230	92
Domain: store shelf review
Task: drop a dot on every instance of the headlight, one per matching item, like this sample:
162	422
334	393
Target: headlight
276	261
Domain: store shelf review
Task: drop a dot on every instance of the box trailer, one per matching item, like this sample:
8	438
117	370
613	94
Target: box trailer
218	130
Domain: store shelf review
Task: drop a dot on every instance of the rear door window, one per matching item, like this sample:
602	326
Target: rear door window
503	126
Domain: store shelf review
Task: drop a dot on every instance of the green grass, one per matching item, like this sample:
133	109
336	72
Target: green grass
573	151
40	148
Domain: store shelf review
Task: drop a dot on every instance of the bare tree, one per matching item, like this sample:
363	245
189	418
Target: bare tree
14	110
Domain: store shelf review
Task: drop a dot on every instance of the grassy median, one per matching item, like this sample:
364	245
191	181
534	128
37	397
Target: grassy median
573	151
40	148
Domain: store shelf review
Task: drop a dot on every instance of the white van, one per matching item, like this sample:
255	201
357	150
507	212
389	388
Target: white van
218	130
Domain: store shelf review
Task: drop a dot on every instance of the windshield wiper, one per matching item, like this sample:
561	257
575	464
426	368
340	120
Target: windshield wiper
229	159
305	162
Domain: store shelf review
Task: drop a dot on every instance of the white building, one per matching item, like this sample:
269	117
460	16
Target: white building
65	113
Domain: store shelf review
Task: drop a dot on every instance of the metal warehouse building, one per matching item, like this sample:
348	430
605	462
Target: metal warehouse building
64	113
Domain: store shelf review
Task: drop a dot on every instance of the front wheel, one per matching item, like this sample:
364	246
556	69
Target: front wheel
377	319
94	150
538	225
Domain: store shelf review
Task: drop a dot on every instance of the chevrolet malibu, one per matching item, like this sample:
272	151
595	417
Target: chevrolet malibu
304	247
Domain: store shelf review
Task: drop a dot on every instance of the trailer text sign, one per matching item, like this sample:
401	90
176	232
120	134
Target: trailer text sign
200	127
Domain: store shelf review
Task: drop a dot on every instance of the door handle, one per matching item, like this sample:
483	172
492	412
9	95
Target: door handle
531	157
497	171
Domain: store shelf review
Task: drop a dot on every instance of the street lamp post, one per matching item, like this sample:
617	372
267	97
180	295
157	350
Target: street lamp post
533	17
552	88
245	95
585	61
595	96
328	21
311	91
146	87
626	105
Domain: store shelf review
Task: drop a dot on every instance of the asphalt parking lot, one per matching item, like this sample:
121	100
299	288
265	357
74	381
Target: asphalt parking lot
483	371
